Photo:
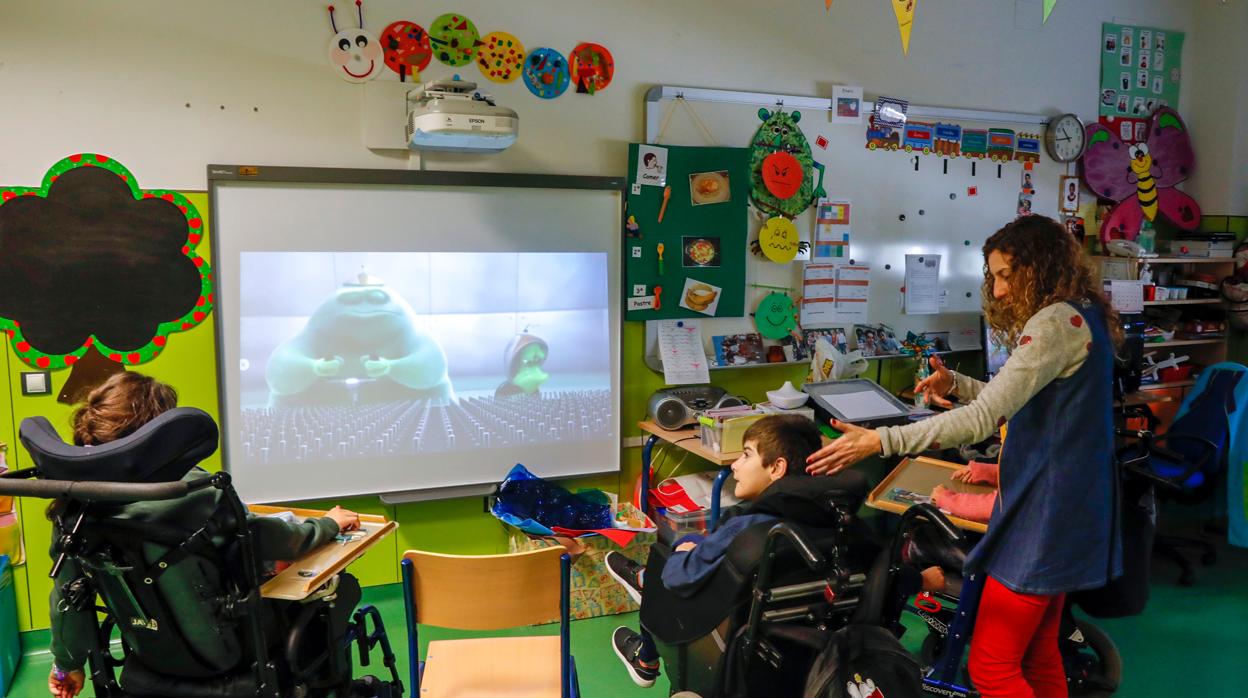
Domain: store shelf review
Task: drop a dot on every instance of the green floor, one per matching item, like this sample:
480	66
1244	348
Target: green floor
1189	642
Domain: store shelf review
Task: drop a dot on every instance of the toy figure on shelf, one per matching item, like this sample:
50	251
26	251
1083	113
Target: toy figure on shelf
920	347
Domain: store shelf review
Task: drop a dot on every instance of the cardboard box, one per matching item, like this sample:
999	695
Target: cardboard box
594	593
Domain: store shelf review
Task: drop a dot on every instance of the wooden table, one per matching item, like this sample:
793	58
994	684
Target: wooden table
309	572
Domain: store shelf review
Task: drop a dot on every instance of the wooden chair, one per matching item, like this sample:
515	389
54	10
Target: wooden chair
489	592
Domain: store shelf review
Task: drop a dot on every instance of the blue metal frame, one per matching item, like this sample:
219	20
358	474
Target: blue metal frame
944	672
647	451
568	680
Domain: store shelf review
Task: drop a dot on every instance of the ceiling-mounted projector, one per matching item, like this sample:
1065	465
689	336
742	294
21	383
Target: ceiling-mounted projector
451	115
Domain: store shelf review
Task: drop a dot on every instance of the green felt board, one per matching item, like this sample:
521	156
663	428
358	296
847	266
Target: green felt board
726	220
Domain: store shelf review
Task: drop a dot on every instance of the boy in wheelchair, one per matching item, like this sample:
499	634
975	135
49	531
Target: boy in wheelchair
179	576
694	604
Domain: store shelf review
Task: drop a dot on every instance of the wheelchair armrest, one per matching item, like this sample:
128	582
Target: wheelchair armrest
931	513
1210	450
813	558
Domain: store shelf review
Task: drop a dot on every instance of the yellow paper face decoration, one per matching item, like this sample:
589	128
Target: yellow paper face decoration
779	240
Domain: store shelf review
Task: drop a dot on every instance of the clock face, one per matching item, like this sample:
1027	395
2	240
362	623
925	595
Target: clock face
1065	138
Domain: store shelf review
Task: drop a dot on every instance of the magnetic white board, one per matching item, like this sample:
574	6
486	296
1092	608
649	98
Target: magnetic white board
883	187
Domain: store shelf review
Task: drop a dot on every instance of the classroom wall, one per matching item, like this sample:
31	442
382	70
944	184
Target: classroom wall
169	87
1218	105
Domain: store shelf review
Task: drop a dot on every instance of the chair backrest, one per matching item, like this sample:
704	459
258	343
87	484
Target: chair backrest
1206	415
486	592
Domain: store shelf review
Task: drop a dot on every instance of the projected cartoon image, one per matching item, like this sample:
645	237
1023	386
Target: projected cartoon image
525	356
421	353
362	340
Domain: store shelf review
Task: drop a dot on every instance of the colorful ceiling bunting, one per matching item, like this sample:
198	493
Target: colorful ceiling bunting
354	52
89	261
546	73
592	67
500	57
455	39
781	167
1048	8
904	9
406	48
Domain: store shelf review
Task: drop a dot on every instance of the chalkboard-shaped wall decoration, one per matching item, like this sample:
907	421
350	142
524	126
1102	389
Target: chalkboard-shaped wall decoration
90	261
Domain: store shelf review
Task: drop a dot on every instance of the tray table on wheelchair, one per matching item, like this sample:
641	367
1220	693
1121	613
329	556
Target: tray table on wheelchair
913	479
309	572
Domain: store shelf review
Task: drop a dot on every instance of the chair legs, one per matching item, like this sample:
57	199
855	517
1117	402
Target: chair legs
1171	547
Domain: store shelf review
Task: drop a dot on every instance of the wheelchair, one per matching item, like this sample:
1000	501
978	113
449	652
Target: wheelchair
184	595
925	538
757	624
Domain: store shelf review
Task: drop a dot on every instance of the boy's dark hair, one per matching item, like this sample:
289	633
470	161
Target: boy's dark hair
787	436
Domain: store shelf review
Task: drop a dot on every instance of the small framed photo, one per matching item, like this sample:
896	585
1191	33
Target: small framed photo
1070	194
709	187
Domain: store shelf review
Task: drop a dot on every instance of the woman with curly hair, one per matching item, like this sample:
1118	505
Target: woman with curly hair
1051	530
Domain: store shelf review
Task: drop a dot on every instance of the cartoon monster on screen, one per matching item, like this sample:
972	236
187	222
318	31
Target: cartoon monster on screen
523	362
360	345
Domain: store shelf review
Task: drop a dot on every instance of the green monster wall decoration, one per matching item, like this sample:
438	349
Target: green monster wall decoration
89	262
781	167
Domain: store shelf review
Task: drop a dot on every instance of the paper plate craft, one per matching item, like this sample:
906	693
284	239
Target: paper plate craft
1141	177
779	241
782	167
354	53
454	39
406	48
546	73
500	57
592	67
776	316
89	262
709	187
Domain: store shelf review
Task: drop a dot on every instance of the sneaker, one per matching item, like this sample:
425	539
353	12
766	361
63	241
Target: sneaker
626	572
627	645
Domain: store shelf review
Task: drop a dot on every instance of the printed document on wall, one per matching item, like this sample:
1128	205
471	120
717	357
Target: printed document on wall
684	358
922	284
834	294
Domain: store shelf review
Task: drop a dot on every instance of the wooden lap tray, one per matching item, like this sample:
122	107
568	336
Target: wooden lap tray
921	475
308	573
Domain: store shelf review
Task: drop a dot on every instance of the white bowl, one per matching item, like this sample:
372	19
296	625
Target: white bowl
787	397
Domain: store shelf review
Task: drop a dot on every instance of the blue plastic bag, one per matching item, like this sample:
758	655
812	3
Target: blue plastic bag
535	506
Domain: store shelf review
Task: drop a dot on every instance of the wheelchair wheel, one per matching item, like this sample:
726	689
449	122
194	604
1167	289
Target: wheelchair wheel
1093	667
933	644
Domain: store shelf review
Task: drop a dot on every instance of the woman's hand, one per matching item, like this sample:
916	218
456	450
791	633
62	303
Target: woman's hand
937	385
66	685
854	444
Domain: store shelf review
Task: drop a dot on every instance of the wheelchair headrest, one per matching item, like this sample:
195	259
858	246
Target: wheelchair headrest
163	450
813	500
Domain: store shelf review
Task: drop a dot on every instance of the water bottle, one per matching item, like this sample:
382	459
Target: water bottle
920	399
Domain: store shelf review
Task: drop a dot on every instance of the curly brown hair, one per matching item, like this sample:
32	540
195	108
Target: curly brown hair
1047	266
119	406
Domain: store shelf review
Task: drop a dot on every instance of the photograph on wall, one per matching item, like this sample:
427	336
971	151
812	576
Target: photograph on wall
738	349
846	104
876	340
709	187
700	251
1154	74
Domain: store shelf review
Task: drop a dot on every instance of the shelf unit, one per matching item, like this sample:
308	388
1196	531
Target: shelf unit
1203	352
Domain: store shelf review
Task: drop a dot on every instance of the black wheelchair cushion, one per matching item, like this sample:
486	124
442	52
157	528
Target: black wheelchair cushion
138	680
163	450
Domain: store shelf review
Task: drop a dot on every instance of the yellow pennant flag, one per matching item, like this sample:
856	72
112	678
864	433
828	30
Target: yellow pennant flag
904	9
1048	8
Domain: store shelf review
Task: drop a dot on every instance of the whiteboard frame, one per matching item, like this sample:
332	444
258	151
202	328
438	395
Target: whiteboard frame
276	174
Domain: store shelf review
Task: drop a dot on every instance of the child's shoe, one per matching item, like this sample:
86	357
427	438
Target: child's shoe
627	645
628	573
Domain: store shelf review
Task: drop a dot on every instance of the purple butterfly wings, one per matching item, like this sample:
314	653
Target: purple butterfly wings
1107	171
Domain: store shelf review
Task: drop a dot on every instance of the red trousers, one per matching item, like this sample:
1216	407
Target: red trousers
1014	651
